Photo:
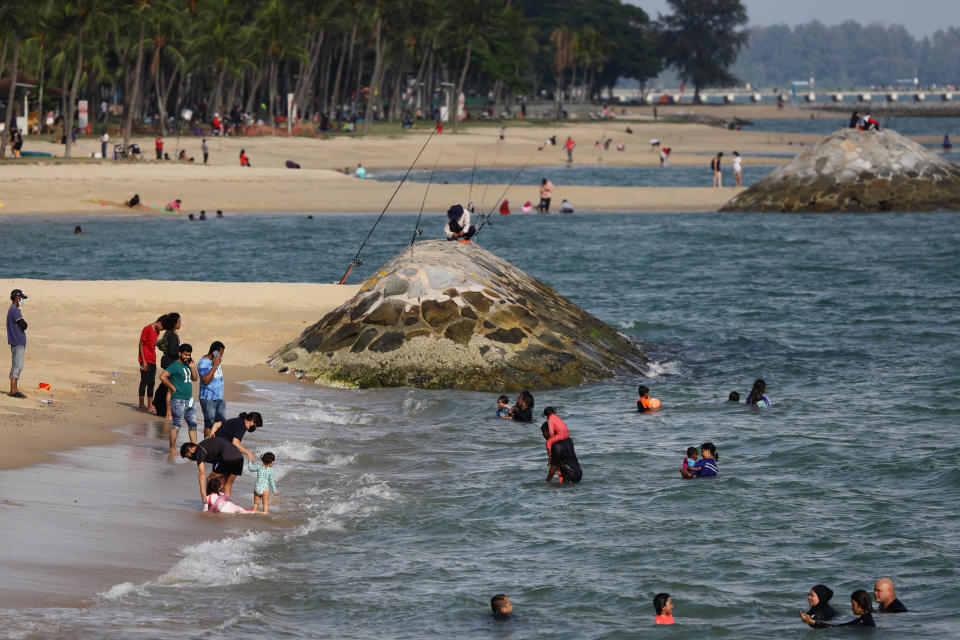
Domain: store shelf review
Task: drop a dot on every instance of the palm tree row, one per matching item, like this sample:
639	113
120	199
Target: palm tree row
355	59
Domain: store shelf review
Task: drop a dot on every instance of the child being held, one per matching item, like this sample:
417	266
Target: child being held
644	401
503	408
686	469
265	482
217	501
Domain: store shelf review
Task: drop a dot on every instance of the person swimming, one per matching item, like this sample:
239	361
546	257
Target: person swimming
862	608
645	402
706	467
819	599
733	397
689	462
757	398
663	605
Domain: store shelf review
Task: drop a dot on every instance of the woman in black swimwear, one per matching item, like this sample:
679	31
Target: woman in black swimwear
862	607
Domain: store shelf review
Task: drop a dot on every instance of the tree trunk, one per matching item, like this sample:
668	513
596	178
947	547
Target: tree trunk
463	77
11	96
305	82
323	90
254	88
161	107
373	95
274	71
333	107
416	96
135	94
71	105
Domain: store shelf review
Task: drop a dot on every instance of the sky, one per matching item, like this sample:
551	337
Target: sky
920	17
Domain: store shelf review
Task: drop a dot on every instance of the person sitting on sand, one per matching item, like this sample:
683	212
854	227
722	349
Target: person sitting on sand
565	206
501	605
854	119
527	207
360	172
505	207
217	501
458	225
862	608
663	605
134	201
244	160
174	206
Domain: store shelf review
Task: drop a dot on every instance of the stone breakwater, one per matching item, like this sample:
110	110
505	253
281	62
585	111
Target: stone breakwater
857	171
453	315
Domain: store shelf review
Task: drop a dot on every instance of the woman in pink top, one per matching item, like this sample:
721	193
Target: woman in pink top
556	429
546	192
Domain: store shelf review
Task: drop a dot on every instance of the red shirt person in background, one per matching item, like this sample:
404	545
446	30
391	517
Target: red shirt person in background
147	357
159	145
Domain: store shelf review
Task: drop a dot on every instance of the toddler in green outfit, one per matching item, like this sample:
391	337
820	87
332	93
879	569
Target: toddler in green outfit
265	482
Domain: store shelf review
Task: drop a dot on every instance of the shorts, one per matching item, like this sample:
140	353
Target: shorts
16	366
213	411
229	467
181	410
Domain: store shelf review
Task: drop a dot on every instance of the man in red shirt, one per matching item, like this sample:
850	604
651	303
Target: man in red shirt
147	357
570	144
159	144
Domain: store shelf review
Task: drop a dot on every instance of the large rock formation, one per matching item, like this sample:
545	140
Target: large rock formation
453	315
859	171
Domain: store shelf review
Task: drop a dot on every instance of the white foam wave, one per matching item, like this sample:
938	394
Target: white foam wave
296	451
414	406
340	459
118	591
664	368
336	512
219	562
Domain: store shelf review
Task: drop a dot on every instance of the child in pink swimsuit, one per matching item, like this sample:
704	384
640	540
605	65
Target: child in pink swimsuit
218	502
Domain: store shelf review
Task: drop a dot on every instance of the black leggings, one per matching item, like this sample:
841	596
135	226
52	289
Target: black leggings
148	379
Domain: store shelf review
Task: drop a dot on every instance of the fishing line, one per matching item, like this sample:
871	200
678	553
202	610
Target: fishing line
488	218
416	229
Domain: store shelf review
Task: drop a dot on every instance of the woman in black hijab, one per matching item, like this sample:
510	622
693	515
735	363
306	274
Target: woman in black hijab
819	599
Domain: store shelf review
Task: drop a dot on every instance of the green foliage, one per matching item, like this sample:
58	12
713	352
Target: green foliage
848	54
702	38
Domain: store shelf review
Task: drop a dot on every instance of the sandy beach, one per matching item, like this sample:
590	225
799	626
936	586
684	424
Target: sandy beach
101	187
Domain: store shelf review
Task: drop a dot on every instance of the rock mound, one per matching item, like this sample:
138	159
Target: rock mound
857	171
452	315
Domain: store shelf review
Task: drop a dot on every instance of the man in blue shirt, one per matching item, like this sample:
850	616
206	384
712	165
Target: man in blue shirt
211	389
17	339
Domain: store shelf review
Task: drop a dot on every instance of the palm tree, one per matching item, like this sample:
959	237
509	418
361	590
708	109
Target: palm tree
219	43
275	31
564	43
16	22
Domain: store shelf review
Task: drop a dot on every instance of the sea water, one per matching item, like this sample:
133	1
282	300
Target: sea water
403	511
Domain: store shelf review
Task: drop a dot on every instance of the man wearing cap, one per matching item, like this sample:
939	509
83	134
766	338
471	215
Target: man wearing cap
458	225
17	339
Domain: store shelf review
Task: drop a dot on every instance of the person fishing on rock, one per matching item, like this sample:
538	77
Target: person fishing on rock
458	225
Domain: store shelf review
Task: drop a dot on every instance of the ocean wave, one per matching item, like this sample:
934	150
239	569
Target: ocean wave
664	368
337	511
297	451
219	562
118	591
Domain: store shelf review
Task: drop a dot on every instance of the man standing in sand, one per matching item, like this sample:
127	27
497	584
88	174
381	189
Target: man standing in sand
159	146
179	376
147	357
570	144
17	339
212	404
104	139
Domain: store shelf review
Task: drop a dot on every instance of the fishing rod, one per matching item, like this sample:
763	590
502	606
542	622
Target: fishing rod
473	175
489	217
417	229
357	260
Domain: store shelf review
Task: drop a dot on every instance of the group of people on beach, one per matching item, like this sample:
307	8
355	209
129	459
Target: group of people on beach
222	445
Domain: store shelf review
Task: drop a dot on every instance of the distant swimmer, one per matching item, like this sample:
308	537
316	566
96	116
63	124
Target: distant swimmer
503	407
561	459
663	605
688	464
565	206
734	397
862	608
706	466
458	225
947	145
645	402
758	398
501	605
819	600
522	410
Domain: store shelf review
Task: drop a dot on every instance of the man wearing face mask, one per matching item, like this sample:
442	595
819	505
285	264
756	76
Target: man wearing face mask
212	404
17	339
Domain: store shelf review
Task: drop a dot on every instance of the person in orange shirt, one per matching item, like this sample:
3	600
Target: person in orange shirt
645	402
663	604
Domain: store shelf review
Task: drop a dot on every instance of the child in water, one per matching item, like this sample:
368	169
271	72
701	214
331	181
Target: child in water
217	501
663	605
645	402
688	463
503	408
265	481
706	467
757	398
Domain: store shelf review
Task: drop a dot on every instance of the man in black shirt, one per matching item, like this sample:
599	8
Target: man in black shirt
563	459
226	458
886	597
